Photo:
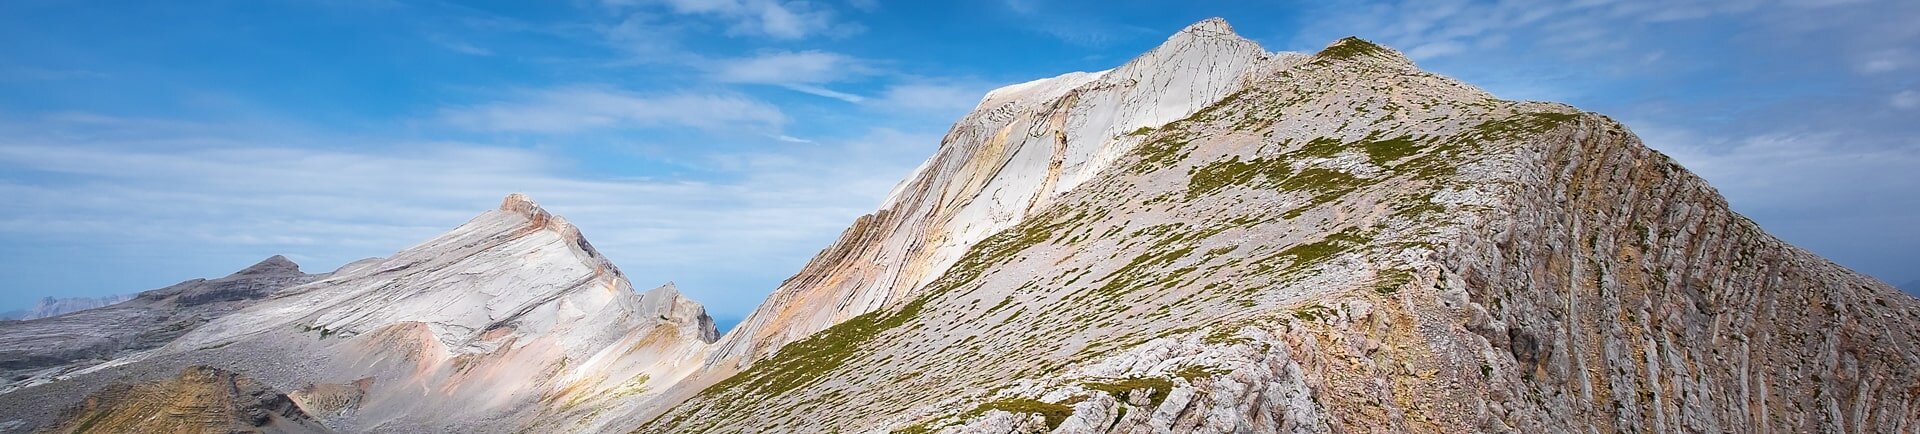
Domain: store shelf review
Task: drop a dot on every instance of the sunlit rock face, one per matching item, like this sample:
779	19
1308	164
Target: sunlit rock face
510	320
1334	242
1023	147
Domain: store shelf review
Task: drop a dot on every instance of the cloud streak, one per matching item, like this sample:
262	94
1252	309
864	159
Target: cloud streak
770	209
584	108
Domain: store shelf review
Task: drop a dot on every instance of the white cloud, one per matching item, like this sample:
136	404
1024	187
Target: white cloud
459	46
753	221
1435	49
772	18
1906	99
927	96
582	108
780	67
803	71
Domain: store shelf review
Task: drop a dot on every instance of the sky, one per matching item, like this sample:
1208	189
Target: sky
719	144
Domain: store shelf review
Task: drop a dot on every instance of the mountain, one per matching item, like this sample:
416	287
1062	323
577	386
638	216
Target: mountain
1332	242
509	320
51	307
1208	238
47	349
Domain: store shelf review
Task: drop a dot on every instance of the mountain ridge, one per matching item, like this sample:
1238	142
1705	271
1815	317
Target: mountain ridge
1320	254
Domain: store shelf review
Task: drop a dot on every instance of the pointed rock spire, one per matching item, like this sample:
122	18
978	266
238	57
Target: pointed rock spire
521	204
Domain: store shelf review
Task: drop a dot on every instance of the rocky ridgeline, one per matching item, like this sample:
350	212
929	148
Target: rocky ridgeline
1348	243
1209	238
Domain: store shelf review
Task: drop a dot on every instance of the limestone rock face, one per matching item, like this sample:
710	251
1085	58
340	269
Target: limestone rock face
508	322
1345	243
1021	148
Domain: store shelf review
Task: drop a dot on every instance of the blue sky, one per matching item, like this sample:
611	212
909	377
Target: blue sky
720	143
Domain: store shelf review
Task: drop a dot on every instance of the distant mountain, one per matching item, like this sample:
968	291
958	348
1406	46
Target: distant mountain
509	320
51	307
42	350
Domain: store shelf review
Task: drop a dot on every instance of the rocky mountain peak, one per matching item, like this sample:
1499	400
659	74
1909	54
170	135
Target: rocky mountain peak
667	304
1212	238
1352	48
520	203
275	265
1211	27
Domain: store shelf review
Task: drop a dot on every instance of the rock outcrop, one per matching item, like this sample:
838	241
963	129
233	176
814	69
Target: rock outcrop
200	400
1021	148
1345	243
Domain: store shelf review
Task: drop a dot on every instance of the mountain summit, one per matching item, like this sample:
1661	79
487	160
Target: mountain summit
1208	238
1214	238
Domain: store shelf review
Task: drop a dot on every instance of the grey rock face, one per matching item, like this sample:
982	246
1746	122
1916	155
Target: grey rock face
40	350
52	307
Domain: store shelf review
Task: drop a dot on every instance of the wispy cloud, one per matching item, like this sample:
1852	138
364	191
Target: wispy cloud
950	97
29	73
771	18
765	212
804	71
1078	27
459	46
582	108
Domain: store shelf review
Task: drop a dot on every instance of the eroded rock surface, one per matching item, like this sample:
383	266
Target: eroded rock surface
510	322
1348	243
199	400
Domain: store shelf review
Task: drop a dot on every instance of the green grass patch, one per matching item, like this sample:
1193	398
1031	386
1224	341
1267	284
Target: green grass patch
1053	413
1349	48
1157	388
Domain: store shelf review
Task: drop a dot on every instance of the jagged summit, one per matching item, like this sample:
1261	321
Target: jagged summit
1354	48
1022	148
522	204
1215	25
277	264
